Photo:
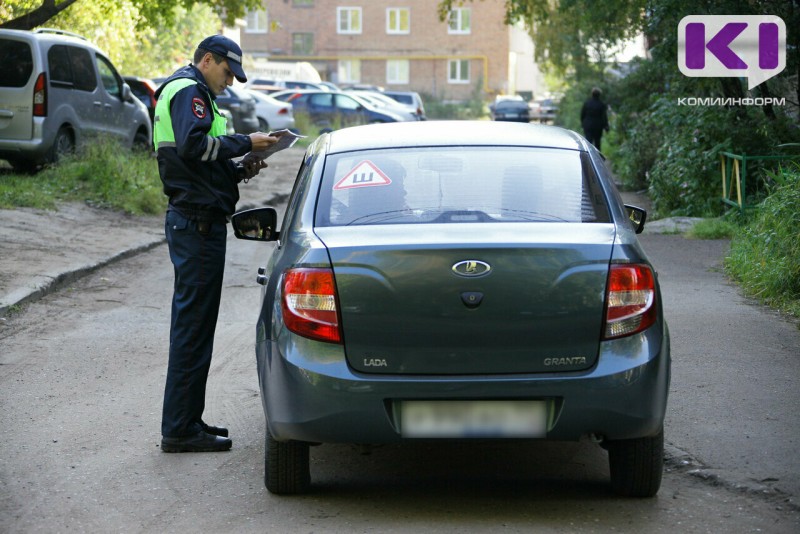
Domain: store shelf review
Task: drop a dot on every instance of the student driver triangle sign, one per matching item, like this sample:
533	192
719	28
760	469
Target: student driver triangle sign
365	174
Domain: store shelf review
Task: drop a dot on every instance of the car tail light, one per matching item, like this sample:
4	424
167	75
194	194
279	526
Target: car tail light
309	304
40	96
630	300
283	111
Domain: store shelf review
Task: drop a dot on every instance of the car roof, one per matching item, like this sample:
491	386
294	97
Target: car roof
451	133
51	36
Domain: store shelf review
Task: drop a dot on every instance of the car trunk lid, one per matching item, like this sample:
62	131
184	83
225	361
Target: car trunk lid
479	298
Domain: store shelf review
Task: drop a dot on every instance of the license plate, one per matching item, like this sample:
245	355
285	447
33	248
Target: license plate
473	419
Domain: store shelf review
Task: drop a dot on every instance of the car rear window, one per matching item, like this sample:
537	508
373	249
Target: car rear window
405	99
17	60
71	66
474	184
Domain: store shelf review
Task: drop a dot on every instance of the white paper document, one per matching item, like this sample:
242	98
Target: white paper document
286	138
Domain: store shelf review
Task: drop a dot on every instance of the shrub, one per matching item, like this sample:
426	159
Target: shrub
765	256
675	149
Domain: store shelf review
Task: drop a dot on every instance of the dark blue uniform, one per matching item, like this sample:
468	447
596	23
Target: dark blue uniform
201	182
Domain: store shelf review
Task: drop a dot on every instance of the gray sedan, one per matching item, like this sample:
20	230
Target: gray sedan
457	281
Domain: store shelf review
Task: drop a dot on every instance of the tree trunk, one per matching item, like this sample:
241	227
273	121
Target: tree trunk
38	16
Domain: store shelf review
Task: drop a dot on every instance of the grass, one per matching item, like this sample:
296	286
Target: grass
765	254
718	228
103	175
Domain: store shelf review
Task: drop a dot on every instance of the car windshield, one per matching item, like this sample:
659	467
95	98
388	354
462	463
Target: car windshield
460	184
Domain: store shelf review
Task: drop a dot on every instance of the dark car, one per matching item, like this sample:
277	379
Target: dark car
510	110
145	90
243	108
330	110
458	280
544	110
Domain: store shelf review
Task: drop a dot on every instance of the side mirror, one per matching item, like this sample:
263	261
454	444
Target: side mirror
637	217
257	224
127	94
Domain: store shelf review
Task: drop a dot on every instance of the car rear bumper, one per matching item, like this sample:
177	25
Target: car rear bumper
311	394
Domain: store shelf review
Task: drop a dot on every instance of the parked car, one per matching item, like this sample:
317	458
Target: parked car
544	110
381	101
243	108
57	91
510	109
145	90
287	84
272	113
458	280
329	110
409	98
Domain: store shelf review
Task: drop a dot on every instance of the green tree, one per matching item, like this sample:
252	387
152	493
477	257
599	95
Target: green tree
149	50
29	14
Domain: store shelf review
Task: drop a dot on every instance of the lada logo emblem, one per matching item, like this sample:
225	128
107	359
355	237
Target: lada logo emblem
471	268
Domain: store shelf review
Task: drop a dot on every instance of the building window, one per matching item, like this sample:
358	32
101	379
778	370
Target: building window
349	71
460	21
398	20
348	19
397	71
458	71
302	3
302	44
256	21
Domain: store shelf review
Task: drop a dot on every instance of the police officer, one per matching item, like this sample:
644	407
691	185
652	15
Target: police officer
194	161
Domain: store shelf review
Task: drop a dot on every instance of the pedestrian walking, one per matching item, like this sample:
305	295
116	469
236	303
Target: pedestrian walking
594	117
201	180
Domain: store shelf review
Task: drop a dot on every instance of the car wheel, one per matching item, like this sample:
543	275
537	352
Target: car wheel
63	145
286	469
263	125
141	141
637	465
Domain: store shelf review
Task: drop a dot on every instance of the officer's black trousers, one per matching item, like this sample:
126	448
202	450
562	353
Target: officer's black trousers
199	263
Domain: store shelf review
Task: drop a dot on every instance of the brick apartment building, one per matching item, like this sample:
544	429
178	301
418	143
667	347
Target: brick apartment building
397	44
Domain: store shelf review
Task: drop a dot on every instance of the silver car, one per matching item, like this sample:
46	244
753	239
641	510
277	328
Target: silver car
456	281
58	91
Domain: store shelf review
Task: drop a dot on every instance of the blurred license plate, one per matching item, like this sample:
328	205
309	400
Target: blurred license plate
460	419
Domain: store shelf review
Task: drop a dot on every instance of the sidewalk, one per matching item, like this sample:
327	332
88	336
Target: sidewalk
41	250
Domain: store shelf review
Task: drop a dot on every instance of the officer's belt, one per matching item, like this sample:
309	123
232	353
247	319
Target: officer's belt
200	213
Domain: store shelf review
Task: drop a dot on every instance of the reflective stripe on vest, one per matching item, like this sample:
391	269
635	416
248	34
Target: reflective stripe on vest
163	134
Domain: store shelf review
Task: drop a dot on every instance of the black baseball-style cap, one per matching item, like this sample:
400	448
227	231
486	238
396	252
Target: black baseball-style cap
219	44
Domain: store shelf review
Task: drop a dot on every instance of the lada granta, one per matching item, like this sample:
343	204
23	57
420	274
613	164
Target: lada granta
456	281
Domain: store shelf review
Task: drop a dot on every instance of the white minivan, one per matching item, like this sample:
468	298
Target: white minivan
58	90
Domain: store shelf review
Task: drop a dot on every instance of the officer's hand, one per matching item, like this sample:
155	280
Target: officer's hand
253	167
262	141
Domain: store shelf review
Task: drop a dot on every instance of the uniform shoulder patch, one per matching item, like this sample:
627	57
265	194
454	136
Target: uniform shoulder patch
199	107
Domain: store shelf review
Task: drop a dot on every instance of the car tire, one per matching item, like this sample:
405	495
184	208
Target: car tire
286	467
263	125
636	465
141	141
63	145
